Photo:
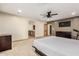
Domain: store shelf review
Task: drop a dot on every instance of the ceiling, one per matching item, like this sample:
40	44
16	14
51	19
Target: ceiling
33	10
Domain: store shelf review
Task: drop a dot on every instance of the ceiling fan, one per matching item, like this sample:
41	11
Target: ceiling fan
49	14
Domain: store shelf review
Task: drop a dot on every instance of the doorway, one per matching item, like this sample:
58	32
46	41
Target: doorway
31	32
50	30
45	29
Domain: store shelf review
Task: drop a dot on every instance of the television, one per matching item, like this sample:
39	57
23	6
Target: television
65	24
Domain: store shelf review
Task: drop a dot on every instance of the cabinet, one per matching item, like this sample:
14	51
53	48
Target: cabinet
63	34
31	33
5	42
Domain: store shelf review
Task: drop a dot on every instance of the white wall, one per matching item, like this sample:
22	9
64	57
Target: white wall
14	25
74	25
39	29
30	27
57	28
18	26
31	23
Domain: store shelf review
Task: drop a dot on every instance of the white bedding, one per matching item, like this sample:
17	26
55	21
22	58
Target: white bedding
57	46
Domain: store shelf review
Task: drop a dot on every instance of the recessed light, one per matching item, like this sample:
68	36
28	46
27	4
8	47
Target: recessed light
73	13
19	11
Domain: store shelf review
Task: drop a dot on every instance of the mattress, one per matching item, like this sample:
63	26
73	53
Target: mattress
57	46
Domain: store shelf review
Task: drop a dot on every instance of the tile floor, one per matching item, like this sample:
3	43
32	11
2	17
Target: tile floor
20	48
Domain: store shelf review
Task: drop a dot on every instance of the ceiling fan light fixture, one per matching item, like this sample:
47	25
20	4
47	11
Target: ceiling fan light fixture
49	14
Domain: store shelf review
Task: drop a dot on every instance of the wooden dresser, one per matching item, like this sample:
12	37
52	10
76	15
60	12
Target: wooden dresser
63	34
5	42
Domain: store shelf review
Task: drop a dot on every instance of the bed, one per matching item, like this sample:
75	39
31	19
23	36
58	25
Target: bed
56	46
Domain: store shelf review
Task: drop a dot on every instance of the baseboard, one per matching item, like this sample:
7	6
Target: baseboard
42	36
19	40
39	37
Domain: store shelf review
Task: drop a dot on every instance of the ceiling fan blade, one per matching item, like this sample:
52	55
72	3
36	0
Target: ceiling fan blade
54	14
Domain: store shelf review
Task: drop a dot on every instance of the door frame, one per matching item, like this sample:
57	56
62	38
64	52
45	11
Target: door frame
45	29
